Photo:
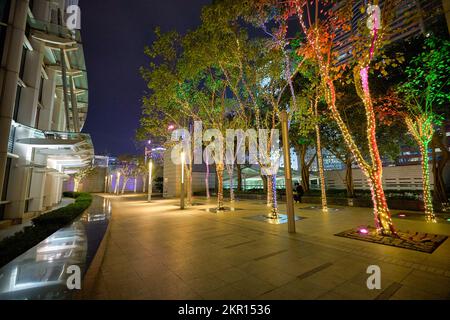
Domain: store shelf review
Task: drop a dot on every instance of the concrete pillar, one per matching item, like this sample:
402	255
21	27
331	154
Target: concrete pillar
37	185
32	77
10	75
48	101
37	191
60	190
18	189
59	118
65	93
48	191
55	189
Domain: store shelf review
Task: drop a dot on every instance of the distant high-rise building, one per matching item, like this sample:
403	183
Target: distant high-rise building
410	18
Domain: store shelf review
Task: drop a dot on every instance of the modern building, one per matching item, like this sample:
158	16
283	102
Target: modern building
43	106
411	18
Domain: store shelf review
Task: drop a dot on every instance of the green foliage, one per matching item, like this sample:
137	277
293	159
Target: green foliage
428	82
43	226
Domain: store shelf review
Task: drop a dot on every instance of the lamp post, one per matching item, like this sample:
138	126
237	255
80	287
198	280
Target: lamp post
288	172
150	168
110	189
146	153
182	180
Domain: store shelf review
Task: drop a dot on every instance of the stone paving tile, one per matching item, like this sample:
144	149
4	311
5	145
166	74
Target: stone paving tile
159	252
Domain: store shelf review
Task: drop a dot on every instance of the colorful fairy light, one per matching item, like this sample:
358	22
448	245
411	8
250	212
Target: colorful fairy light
220	169
320	163
421	128
373	173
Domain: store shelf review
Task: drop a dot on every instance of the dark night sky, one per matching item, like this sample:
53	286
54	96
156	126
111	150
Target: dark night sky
114	35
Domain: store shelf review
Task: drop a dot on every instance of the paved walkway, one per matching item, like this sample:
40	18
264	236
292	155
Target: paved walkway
156	251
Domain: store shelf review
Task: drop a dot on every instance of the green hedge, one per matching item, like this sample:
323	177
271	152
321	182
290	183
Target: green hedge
43	226
339	193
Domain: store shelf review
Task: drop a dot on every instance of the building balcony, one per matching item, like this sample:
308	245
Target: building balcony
64	151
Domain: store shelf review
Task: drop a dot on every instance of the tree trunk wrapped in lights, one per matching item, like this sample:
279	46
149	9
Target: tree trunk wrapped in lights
422	130
220	169
208	196
320	160
373	171
321	172
269	191
230	171
274	211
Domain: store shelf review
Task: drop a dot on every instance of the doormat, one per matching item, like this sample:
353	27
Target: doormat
418	241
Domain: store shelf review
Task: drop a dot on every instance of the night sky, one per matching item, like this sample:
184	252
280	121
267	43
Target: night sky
114	34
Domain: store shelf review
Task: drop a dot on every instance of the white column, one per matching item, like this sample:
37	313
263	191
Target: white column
47	191
37	191
9	75
58	121
32	77
48	101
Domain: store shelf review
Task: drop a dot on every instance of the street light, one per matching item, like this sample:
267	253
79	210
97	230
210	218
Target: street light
146	153
182	180
150	167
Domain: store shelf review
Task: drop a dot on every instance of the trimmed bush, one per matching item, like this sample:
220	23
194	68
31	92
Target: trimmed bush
43	226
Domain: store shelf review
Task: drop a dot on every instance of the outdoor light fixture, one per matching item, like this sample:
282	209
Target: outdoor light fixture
183	158
150	167
363	231
402	215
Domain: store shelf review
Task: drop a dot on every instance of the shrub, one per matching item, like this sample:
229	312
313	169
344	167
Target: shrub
43	226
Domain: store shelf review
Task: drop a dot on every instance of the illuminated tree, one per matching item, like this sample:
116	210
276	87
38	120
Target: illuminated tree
321	40
128	169
82	174
426	94
426	89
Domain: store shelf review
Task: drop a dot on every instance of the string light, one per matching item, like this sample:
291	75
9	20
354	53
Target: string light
320	164
373	172
421	128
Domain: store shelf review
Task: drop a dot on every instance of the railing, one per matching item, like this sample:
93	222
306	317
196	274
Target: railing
54	29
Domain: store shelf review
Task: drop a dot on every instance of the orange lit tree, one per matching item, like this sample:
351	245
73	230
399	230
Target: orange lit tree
322	23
